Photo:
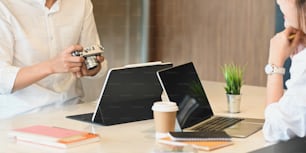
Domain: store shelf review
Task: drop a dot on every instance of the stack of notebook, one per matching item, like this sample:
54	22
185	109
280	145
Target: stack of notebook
200	140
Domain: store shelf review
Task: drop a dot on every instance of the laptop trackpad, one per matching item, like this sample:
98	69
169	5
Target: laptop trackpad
243	129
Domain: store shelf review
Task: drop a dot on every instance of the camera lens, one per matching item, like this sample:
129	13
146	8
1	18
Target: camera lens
91	62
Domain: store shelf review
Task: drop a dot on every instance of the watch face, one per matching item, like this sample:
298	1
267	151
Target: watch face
268	69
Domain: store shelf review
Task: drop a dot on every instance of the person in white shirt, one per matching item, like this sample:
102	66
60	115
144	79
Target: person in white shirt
285	113
37	38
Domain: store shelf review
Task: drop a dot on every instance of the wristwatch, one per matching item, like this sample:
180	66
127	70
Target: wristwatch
273	69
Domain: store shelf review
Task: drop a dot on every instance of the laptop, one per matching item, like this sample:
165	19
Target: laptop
127	95
183	86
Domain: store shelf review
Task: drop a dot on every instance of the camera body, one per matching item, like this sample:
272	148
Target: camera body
89	54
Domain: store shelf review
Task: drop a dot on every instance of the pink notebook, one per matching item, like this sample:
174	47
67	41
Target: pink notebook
53	136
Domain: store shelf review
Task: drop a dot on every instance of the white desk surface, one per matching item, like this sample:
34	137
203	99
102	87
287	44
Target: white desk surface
135	137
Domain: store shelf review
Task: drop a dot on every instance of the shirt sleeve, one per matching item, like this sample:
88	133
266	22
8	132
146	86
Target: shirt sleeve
276	125
287	118
89	35
8	72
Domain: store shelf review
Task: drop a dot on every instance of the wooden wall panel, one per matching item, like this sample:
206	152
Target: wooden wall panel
119	27
213	32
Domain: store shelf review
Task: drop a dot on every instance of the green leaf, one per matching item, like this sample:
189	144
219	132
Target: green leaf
233	75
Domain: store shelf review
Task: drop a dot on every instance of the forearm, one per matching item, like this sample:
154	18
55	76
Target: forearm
275	88
62	63
31	74
280	49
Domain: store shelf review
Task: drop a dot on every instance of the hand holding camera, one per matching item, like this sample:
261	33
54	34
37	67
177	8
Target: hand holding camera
90	55
77	60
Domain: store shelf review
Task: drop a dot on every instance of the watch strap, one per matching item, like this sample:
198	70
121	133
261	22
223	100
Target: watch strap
273	69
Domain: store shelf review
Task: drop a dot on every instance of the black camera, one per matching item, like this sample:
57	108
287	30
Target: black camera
89	54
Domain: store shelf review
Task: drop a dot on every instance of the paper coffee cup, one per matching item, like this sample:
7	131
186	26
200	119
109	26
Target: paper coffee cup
164	117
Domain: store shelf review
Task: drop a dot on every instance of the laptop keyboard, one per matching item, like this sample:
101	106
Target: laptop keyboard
217	124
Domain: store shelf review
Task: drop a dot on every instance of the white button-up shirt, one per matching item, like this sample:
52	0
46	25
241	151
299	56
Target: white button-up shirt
31	33
287	118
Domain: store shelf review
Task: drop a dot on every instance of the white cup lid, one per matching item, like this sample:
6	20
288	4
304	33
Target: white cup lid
164	106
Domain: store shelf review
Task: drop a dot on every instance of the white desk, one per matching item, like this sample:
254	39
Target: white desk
135	137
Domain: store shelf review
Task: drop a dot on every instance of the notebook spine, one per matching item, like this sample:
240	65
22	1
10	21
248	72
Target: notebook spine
201	139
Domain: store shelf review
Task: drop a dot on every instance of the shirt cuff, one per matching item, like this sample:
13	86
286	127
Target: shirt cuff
7	80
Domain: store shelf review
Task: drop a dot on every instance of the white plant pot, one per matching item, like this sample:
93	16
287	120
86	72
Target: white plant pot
233	103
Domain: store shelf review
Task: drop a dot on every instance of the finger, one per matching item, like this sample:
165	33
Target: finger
76	59
84	71
297	38
70	65
75	69
91	72
76	64
78	74
100	58
289	31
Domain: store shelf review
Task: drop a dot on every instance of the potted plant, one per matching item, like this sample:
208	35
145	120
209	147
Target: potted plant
233	75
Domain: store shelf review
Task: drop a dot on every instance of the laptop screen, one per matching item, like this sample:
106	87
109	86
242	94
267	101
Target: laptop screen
183	86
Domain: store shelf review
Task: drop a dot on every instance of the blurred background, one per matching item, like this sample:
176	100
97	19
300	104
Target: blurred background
208	33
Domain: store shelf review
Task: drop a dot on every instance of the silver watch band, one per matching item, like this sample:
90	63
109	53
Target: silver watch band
273	69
